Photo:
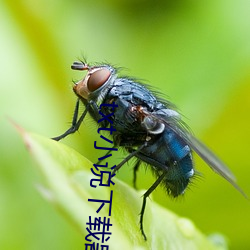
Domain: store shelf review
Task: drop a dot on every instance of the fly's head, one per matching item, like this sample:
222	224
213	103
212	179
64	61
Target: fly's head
95	81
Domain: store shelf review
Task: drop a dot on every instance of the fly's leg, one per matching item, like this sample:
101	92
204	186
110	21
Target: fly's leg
127	158
136	167
75	123
145	196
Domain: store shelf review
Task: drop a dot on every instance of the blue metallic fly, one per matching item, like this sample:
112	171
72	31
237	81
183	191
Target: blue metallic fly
149	128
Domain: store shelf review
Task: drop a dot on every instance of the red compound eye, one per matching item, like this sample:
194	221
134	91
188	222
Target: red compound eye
97	79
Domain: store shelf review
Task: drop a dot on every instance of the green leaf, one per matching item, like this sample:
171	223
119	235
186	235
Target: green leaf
67	178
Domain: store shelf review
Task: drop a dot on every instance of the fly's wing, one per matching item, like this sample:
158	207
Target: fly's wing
212	160
175	124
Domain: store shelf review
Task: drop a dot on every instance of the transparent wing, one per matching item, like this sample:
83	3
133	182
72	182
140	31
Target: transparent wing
207	155
175	124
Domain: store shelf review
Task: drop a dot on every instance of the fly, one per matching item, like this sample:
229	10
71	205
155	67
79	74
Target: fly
149	128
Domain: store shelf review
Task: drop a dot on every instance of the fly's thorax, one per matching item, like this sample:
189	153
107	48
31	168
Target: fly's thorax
95	84
154	122
152	125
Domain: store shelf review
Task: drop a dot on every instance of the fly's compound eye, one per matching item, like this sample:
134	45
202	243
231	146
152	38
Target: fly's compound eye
97	79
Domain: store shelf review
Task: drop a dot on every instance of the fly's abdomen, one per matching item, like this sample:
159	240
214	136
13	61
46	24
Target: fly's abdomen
170	155
180	166
178	176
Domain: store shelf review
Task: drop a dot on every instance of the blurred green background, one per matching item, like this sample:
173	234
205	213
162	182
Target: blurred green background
195	52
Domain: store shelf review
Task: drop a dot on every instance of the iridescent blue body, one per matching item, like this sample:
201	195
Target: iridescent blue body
165	150
148	127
